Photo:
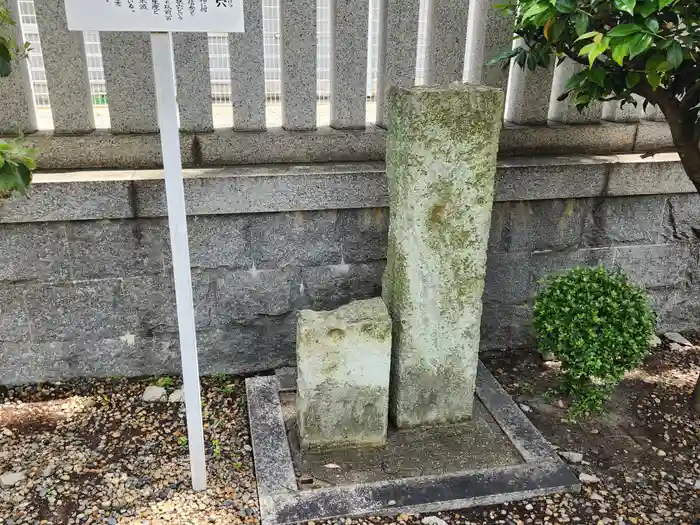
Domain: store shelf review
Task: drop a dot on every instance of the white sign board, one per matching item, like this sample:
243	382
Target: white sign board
216	16
161	18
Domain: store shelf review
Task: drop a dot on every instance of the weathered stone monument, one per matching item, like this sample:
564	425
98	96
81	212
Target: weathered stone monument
462	441
441	162
343	367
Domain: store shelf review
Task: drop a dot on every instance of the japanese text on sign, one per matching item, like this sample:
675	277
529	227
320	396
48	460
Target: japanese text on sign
224	16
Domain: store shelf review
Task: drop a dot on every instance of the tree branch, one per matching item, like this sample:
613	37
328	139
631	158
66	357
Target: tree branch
644	89
691	98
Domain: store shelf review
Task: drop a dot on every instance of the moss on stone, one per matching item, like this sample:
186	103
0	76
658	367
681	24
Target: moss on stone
343	365
441	153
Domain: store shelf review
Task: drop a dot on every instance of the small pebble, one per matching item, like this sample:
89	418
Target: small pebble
154	393
433	520
588	478
10	479
677	338
177	396
572	457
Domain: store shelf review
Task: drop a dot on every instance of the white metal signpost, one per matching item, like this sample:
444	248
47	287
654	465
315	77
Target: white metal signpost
160	18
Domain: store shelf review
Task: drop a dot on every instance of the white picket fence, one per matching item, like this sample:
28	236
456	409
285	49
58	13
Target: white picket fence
219	69
302	65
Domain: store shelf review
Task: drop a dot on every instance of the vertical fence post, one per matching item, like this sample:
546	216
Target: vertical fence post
527	99
398	40
477	23
565	111
498	37
349	21
298	56
446	37
17	112
191	55
248	70
66	69
129	82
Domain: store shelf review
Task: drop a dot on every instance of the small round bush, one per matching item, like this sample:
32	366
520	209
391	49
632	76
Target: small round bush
598	324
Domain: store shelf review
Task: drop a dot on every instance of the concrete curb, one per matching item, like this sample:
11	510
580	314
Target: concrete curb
542	471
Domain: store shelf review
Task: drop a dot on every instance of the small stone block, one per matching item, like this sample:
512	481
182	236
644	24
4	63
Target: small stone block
343	366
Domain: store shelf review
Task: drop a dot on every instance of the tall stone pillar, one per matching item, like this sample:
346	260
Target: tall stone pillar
440	163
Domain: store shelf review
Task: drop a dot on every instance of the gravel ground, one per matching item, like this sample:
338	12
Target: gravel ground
95	452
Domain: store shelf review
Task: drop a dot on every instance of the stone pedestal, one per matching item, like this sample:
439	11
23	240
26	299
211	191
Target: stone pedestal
343	367
441	161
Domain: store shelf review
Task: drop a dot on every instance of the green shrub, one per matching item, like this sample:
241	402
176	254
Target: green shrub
599	325
17	161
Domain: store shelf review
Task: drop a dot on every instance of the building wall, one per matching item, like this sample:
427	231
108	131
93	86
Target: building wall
86	281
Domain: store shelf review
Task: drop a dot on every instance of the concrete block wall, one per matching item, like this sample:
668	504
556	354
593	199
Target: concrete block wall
96	297
650	237
86	286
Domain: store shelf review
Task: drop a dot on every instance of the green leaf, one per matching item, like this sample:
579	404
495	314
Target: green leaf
5	61
575	81
619	52
29	162
656	63
548	29
580	23
598	49
25	176
632	79
654	79
558	29
531	62
653	24
586	49
654	66
582	99
586	36
624	30
5	67
535	10
639	44
10	179
565	6
597	75
664	3
646	8
626	5
503	55
674	55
